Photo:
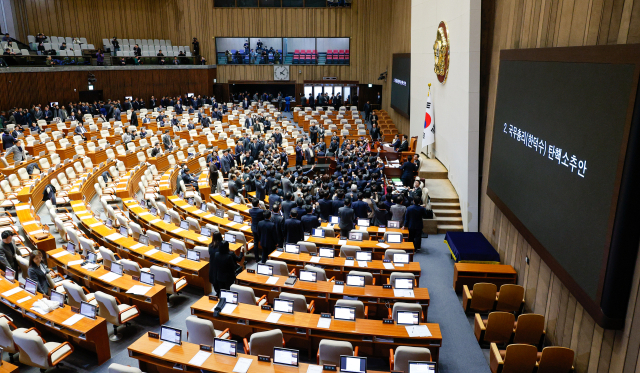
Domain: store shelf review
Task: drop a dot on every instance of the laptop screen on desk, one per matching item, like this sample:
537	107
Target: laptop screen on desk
124	232
326	252
344	313
71	247
318	232
143	239
403	283
146	278
393	224
363	222
285	356
167	218
225	347
88	310
394	238
355	280
116	268
353	364
283	305
308	276
363	256
292	249
230	238
109	223
184	225
220	213
401	258
355	236
172	335
193	255
30	286
153	211
205	232
238	219
422	367
264	269
230	296
57	297
408	317
92	258
334	219
10	274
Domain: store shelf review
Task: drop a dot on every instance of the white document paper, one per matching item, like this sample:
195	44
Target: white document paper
73	319
137	246
176	260
113	236
382	230
197	211
324	322
276	253
9	293
163	348
342	242
139	290
418	331
144	213
362	263
232	224
245	228
109	277
306	238
151	252
95	225
314	369
353	365
388	266
24	252
177	230
406	293
273	317
338	289
23	299
74	262
91	266
62	253
272	280
199	358
228	308
23	207
202	238
382	245
242	366
315	259
208	216
154	221
231	204
349	263
399	264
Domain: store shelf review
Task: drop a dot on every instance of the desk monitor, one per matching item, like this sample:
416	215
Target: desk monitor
143	203
10	274
363	256
401	258
109	223
30	286
57	297
393	224
167	218
171	335
116	268
355	236
165	247
153	211
237	200
123	231
181	195
193	255
225	347
283	305
394	237
238	219
408	317
317	232
309	276
230	296
191	201
326	252
285	356
334	219
423	367
220	214
71	247
403	283
344	313
184	225
363	222
292	249
230	238
88	310
147	278
205	232
223	193
355	280
92	258
353	364
265	269
143	239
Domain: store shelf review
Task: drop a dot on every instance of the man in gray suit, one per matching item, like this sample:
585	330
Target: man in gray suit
166	141
347	217
233	187
225	163
260	188
18	152
398	210
287	187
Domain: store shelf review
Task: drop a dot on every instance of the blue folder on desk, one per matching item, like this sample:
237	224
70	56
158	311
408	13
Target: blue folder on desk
471	247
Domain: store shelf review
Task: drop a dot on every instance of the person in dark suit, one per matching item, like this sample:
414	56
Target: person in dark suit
274	197
268	236
337	203
287	205
38	271
278	137
293	229
409	169
278	220
361	208
395	144
299	156
225	163
325	205
222	269
245	103
367	111
347	218
309	221
375	132
234	188
166	141
404	145
413	222
260	188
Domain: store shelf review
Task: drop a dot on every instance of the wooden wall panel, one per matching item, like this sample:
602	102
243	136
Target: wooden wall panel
560	23
377	29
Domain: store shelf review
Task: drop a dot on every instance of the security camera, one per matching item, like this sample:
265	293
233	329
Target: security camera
383	76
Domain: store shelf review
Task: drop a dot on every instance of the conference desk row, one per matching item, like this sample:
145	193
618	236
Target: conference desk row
153	302
34	229
87	333
325	294
301	330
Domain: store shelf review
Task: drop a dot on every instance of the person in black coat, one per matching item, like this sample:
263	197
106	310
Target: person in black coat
278	220
222	269
347	219
408	171
413	222
260	188
274	197
299	156
309	220
38	271
257	216
268	236
293	229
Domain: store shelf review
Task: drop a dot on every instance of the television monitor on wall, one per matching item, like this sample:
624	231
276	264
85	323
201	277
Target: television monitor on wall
401	83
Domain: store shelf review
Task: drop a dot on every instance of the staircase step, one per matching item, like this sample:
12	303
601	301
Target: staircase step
446	212
445	205
445	199
450	228
449	220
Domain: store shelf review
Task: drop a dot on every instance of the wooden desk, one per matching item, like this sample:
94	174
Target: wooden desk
142	349
301	331
472	273
367	245
31	225
98	156
374	231
7	367
196	273
373	296
86	333
161	162
228	204
154	302
336	266
35	150
129	159
85	189
206	217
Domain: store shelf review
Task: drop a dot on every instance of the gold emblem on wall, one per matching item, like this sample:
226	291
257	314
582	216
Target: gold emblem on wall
441	53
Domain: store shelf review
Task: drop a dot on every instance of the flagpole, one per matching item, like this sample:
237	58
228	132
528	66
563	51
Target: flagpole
430	147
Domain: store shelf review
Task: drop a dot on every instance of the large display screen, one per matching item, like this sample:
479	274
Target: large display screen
559	144
400	83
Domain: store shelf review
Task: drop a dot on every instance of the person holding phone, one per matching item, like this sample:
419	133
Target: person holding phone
222	269
38	271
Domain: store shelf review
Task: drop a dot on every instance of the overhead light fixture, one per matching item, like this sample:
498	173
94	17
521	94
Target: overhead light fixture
370	85
91	87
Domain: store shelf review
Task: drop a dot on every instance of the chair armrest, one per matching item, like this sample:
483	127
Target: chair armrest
37	332
495	360
54	363
415	282
390	313
422	316
264	296
478	327
10	322
246	346
312	306
125	310
542	337
355	351
117	256
174	284
391	358
282	341
331	279
318	357
86	291
388	280
225	332
366	312
374	281
293	272
466	297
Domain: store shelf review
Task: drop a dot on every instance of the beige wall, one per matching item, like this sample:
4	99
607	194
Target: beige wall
557	23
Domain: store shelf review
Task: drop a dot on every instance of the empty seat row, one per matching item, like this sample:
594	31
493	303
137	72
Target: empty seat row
58	39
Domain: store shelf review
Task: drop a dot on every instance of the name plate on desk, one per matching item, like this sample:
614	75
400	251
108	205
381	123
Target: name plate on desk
75	309
386	286
107	268
251	271
325	315
349	258
135	278
386	260
154	335
213	298
330	367
339	282
205	348
264	359
265	307
387	321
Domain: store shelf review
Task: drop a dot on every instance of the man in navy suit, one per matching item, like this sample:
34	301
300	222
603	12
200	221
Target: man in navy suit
278	137
413	222
260	188
299	156
325	205
309	221
396	142
293	229
360	208
268	236
274	197
257	216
